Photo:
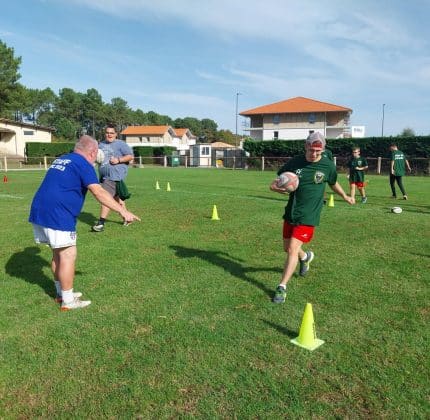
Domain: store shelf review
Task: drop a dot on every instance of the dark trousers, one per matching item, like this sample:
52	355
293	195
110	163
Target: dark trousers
393	179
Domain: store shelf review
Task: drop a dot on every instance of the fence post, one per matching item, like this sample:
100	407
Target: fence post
262	163
378	169
45	163
234	162
334	161
5	164
186	161
165	161
140	162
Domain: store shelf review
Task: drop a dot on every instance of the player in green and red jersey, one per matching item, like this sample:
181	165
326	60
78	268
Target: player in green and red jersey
357	165
303	209
398	166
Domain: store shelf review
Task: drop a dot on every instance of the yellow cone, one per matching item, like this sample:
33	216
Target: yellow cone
215	214
331	201
307	336
168	187
157	186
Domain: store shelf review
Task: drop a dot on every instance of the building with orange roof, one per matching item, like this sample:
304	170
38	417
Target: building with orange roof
296	118
158	135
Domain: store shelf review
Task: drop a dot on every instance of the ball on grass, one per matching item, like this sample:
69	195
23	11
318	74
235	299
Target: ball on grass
396	210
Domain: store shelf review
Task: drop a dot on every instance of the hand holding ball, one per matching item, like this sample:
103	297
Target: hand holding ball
288	181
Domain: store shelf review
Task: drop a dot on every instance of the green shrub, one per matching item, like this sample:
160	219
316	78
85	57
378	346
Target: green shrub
413	147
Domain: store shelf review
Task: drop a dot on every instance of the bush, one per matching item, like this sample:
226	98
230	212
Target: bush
35	151
413	147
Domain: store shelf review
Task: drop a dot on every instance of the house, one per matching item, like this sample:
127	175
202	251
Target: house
295	118
14	135
186	138
158	135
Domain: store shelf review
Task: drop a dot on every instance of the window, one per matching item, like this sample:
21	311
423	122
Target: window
276	119
312	118
204	151
275	135
28	133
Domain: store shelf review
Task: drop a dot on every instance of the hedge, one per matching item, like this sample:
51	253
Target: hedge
150	151
413	147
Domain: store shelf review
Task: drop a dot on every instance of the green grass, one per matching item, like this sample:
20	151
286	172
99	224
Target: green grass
182	325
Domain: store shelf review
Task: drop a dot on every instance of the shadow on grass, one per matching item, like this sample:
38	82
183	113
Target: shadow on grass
284	330
89	219
28	265
283	199
228	263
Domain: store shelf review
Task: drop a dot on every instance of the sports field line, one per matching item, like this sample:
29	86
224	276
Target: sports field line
18	197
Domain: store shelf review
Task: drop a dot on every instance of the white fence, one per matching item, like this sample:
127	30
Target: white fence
420	166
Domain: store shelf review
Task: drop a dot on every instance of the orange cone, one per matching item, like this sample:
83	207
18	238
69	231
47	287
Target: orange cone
5	179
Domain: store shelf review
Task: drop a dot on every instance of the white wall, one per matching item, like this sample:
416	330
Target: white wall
14	143
292	134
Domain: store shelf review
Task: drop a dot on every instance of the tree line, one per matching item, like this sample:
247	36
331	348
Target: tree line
73	113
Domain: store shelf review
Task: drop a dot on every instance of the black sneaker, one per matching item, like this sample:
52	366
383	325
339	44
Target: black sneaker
405	197
280	295
304	265
98	227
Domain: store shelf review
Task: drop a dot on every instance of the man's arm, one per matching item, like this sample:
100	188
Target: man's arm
407	165
339	191
121	159
103	197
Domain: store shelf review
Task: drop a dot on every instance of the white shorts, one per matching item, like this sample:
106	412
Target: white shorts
54	238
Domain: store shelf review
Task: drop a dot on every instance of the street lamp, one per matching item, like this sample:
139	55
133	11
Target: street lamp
237	103
383	114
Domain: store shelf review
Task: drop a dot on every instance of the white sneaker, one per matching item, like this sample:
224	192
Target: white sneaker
75	304
59	298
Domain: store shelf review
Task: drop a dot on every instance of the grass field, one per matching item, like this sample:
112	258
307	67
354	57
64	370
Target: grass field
182	323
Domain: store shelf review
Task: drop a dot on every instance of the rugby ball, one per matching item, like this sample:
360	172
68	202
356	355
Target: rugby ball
288	180
396	210
100	156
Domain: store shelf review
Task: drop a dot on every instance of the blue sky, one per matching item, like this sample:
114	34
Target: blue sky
191	57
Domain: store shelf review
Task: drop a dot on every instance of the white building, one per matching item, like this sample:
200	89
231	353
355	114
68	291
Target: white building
14	135
296	118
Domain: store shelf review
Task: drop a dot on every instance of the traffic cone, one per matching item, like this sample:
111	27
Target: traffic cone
307	336
5	178
331	201
168	187
215	213
157	185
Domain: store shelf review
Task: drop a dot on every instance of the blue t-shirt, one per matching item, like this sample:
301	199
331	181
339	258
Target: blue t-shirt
59	199
117	149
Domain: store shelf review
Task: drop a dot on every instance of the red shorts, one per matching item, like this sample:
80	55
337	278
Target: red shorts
303	233
359	184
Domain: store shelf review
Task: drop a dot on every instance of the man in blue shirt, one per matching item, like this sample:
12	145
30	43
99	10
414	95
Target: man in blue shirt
113	170
56	206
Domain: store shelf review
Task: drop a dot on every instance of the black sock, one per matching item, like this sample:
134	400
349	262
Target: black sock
102	221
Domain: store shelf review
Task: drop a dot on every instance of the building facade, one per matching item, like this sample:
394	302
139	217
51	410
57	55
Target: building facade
14	135
296	118
158	135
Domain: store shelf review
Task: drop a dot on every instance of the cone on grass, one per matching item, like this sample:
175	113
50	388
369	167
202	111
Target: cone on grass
215	213
157	185
5	178
331	201
307	336
168	187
